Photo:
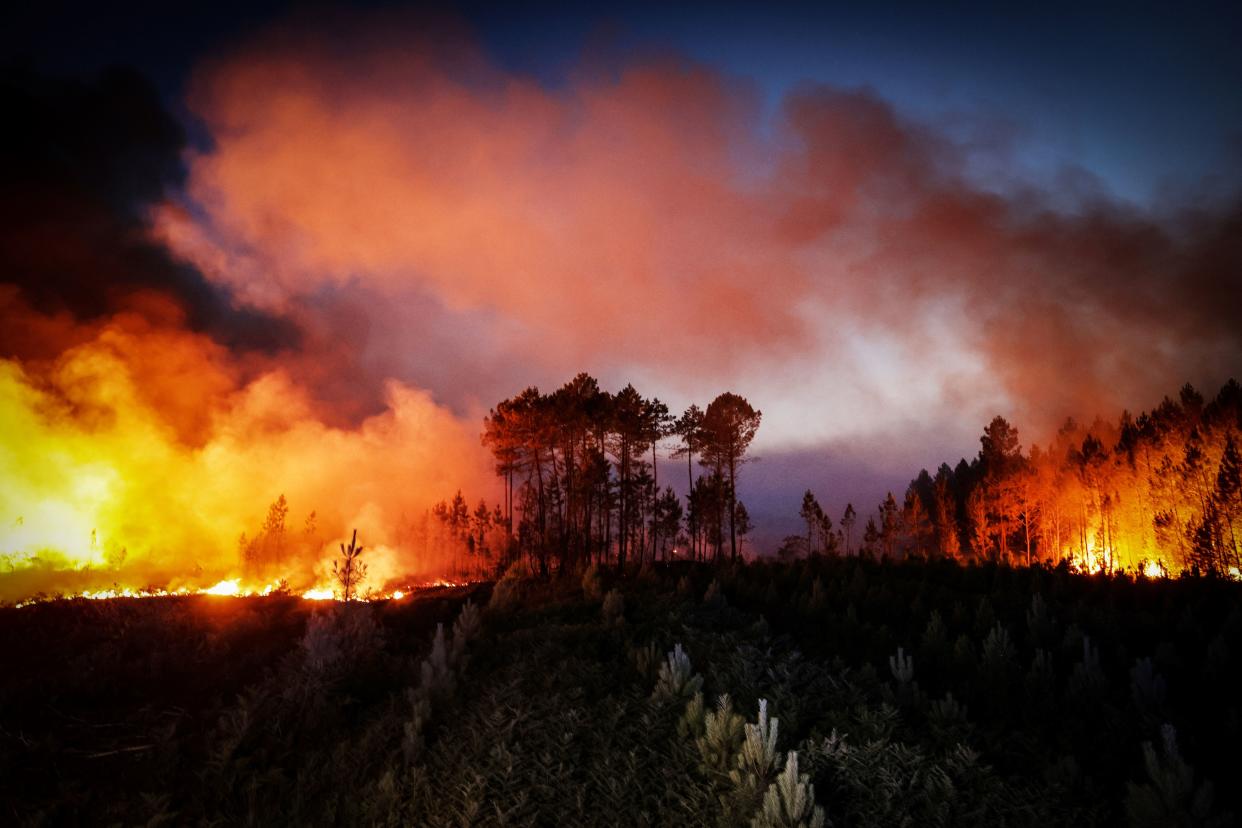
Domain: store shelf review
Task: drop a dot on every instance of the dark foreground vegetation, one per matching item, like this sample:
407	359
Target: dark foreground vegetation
866	693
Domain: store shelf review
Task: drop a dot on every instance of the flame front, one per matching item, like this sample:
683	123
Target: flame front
110	486
319	594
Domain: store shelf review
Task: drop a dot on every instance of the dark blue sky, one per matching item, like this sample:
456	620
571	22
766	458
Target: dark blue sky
1146	97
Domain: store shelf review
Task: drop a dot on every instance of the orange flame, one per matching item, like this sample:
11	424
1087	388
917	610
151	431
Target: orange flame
108	490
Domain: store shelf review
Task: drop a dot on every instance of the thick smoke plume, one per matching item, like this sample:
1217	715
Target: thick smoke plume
645	216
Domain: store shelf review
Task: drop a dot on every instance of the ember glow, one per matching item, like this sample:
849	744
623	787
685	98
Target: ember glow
234	588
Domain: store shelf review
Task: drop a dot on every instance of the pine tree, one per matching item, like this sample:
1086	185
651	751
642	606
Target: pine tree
810	513
1228	497
888	524
348	569
729	426
273	537
790	801
871	537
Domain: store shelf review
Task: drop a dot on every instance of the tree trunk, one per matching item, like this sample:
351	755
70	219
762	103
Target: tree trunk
732	508
694	539
625	515
655	499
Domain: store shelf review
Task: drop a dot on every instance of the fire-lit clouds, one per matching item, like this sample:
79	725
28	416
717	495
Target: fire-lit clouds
645	220
613	222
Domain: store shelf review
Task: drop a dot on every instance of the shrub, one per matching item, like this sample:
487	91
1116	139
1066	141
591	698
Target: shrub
436	670
507	590
901	666
998	650
677	678
758	758
465	629
592	586
1170	799
1147	687
437	678
646	660
722	735
790	801
340	638
614	608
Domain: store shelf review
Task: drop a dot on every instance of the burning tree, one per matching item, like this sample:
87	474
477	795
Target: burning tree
1158	493
349	570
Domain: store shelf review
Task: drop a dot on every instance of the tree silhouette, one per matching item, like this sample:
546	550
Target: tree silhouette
579	484
349	570
689	427
813	516
729	426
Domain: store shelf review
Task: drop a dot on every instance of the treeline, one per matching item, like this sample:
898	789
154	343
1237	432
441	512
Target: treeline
581	477
1161	492
277	547
450	538
465	541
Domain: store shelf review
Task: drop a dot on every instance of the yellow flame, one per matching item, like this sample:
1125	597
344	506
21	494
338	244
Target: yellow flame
1087	563
234	588
107	482
230	587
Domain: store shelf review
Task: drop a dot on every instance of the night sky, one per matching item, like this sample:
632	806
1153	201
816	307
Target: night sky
1142	96
882	225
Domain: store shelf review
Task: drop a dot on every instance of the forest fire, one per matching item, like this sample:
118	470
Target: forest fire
383	390
1155	496
107	481
181	407
233	588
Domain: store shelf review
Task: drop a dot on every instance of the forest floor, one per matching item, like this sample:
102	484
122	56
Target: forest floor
912	693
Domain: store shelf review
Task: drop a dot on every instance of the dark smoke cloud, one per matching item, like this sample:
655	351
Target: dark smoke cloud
84	161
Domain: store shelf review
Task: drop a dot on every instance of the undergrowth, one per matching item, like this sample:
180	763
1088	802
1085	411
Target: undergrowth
839	693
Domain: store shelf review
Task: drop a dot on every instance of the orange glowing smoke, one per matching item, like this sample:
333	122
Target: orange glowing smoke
834	258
